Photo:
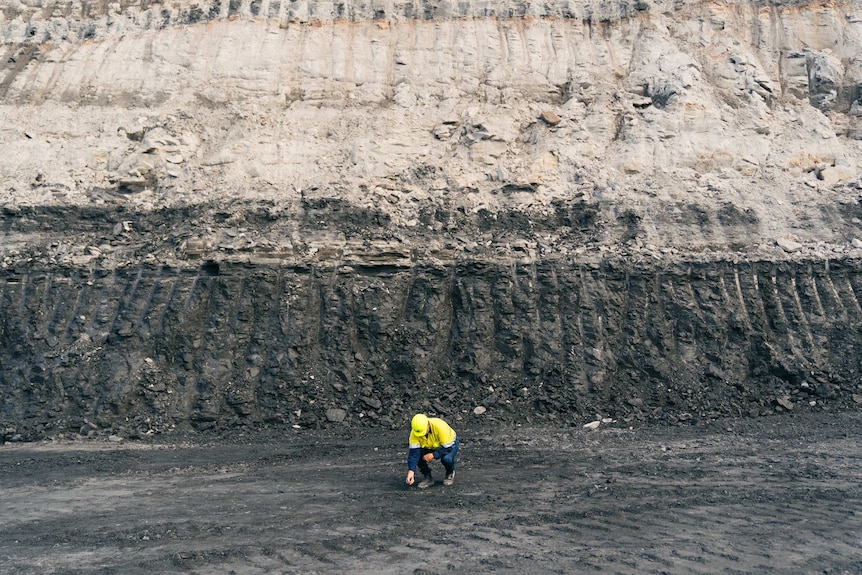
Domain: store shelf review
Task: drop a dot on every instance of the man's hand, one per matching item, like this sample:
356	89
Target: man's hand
428	456
409	478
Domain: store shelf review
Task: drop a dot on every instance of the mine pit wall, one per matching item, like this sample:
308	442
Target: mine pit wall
231	346
315	340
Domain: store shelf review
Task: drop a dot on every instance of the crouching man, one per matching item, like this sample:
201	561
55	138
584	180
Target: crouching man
431	438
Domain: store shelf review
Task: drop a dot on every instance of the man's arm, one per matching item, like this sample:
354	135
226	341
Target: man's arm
412	462
413	455
445	448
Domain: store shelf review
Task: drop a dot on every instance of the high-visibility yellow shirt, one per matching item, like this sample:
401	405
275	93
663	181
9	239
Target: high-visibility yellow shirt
441	435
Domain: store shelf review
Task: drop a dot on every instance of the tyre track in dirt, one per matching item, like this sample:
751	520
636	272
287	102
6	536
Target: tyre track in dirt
779	494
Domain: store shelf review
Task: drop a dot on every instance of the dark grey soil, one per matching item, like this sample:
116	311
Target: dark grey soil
780	494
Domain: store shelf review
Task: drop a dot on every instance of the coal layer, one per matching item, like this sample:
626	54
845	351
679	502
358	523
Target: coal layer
148	345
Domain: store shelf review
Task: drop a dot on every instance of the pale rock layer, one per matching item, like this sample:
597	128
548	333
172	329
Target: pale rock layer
639	108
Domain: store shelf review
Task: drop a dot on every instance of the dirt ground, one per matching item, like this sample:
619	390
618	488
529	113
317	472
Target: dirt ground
780	494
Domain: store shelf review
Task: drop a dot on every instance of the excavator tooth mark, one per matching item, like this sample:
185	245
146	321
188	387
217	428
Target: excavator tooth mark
788	293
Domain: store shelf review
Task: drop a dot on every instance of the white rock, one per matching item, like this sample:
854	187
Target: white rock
834	174
788	246
593	424
479	410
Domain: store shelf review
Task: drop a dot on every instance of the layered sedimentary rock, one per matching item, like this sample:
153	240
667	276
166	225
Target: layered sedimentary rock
368	339
307	213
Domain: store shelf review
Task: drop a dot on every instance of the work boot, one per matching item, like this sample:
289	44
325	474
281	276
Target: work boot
450	478
426	483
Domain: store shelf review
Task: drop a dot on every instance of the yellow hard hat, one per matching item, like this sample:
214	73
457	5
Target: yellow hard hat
420	424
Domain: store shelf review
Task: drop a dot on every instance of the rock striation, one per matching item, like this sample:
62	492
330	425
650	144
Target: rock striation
251	213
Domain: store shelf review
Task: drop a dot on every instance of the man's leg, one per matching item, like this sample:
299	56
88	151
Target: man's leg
448	462
425	470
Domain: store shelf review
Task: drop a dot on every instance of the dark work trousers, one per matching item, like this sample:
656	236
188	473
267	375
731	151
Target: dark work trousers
447	459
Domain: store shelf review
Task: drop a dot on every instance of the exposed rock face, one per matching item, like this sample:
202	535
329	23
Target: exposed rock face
313	213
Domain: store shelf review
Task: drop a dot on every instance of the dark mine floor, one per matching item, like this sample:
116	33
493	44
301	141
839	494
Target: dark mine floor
780	494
